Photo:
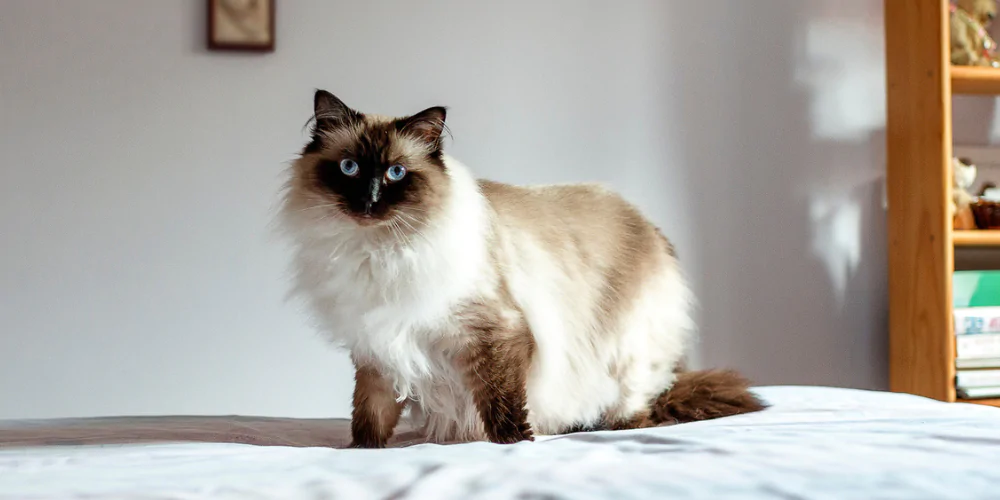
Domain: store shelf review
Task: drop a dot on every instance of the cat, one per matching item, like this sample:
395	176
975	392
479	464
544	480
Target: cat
492	311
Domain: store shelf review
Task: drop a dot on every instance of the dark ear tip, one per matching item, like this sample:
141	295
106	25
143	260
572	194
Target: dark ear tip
321	95
438	112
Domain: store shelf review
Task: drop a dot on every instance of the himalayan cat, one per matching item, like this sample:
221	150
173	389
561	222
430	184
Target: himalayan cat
492	311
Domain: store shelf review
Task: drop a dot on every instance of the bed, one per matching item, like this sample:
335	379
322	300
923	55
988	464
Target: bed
814	442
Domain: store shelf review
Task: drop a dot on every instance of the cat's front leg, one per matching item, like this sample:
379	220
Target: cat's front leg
497	365
376	411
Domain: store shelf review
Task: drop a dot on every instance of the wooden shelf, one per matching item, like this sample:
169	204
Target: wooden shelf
975	80
987	402
990	238
920	83
918	180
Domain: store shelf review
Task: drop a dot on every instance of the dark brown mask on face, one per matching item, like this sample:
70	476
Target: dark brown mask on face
373	168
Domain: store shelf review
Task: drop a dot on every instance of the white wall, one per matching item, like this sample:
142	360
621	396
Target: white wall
138	174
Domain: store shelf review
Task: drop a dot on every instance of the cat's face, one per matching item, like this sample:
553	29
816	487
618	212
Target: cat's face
372	170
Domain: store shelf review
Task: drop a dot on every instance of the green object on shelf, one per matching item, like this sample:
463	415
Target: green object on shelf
976	289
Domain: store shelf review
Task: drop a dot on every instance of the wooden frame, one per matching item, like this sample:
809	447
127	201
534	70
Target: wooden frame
248	27
919	150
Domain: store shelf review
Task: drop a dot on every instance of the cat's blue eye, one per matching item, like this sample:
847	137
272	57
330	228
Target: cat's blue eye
349	167
395	173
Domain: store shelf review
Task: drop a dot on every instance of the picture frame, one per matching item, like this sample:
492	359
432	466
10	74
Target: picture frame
241	25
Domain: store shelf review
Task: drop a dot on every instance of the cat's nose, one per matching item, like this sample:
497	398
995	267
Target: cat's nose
368	207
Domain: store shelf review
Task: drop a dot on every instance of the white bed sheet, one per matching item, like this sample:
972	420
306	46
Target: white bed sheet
813	443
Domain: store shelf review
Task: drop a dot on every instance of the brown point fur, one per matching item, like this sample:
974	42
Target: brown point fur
376	411
695	396
704	395
496	368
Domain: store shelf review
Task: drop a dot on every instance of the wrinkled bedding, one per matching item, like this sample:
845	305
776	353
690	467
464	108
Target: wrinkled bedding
814	442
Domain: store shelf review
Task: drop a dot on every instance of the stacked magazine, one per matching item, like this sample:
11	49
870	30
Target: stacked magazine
977	333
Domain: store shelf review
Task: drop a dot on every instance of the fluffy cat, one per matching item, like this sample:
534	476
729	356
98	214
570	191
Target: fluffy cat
492	311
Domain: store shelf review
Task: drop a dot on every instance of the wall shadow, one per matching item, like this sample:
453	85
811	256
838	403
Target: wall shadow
783	133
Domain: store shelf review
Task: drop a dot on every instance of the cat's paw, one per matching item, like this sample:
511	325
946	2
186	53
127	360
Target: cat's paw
366	444
510	433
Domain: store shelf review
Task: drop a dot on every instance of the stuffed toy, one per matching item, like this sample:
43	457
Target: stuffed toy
971	44
963	176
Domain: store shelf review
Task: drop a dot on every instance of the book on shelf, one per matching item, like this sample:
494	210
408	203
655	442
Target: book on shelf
976	313
978	346
978	392
971	363
975	320
975	289
966	379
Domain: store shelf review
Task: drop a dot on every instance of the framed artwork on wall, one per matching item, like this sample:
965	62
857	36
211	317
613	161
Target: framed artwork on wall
245	25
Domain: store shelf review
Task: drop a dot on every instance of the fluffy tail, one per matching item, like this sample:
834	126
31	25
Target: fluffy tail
704	395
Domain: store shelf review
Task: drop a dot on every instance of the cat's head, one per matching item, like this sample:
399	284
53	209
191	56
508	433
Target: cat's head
371	170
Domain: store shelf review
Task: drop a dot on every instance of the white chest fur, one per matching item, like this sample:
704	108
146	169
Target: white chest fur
390	302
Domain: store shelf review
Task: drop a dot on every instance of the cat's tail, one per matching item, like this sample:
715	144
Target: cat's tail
704	395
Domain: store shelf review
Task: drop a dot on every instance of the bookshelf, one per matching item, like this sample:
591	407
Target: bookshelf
920	82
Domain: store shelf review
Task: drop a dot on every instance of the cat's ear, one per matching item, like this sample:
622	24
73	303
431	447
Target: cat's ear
427	125
330	112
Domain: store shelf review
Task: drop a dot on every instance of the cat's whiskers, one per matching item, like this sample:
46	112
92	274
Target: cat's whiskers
398	233
412	228
315	207
402	218
412	218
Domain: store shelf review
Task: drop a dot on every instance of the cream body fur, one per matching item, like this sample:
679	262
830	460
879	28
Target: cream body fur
399	304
